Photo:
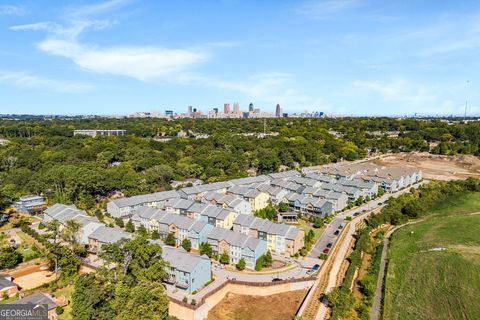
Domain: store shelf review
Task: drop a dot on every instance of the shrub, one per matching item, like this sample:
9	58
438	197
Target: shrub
59	310
241	265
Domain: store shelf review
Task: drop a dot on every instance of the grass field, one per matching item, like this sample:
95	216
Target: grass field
426	284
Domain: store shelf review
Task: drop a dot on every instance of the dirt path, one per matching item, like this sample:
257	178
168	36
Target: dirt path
377	299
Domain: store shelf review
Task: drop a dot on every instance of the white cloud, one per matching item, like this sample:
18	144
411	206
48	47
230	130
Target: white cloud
27	80
12	10
142	63
324	9
145	63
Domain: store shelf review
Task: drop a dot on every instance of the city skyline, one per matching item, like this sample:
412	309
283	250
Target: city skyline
341	57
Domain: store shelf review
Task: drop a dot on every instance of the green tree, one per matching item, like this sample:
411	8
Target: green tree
9	257
155	235
206	249
225	258
267	259
259	263
119	222
187	244
142	231
283	207
130	227
241	265
71	232
91	298
170	240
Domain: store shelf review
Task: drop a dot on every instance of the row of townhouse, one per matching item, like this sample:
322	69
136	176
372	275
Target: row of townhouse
228	201
391	179
31	204
190	272
310	205
186	271
62	213
124	207
198	232
281	238
212	214
237	245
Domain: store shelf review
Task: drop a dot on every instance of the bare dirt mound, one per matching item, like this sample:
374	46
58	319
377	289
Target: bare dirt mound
436	166
281	306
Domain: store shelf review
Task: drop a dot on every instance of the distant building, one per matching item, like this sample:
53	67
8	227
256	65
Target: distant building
169	113
250	107
190	108
226	108
31	204
94	132
236	108
278	111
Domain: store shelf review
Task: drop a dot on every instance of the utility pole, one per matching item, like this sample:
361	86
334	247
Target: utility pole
264	127
466	100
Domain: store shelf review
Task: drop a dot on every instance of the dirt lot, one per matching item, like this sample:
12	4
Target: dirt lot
436	166
276	307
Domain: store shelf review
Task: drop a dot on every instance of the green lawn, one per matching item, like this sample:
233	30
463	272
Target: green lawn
305	225
425	284
67	293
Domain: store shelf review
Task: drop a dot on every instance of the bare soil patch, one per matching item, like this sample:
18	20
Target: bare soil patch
437	167
281	306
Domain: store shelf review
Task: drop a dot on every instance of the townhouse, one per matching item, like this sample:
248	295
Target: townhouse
31	204
257	199
186	271
277	194
182	227
339	200
124	207
284	175
231	202
237	245
105	235
281	238
62	213
196	193
310	205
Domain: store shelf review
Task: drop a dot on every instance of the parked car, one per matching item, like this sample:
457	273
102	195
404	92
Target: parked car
330	244
326	250
310	271
356	214
341	226
276	279
337	232
316	267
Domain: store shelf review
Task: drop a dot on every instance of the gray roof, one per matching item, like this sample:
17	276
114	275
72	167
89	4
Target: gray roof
206	187
182	260
38	298
109	235
182	204
4	283
145	198
262	225
284	175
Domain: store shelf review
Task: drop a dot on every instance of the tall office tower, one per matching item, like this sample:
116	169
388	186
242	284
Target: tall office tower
278	111
226	108
250	107
236	108
190	109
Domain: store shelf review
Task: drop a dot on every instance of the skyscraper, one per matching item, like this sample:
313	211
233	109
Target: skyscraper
226	108
236	108
250	107
278	111
190	110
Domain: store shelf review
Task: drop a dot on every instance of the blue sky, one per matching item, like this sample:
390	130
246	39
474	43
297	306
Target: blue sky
343	57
